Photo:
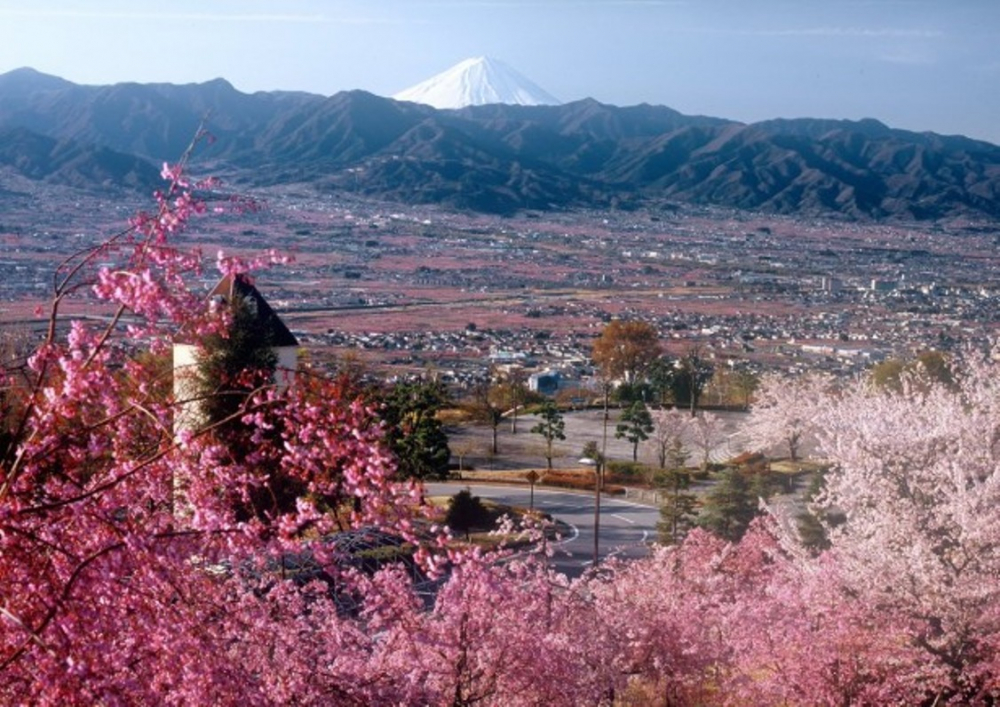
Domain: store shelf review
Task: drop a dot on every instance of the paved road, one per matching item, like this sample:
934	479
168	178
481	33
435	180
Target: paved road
625	527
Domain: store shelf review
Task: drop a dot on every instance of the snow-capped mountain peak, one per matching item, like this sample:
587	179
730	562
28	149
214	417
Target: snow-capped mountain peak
477	82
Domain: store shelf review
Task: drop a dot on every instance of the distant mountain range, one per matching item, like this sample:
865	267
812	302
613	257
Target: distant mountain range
494	158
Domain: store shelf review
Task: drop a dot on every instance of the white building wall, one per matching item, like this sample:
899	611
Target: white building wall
185	377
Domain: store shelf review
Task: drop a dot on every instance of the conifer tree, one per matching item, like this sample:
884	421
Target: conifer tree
551	426
729	507
678	509
412	428
232	364
465	512
635	425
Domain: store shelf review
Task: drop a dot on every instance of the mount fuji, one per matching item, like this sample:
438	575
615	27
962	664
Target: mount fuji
477	82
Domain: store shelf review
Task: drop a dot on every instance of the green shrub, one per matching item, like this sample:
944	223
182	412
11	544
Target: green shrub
626	470
466	512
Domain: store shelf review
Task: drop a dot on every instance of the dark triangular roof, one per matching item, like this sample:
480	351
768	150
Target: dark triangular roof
239	287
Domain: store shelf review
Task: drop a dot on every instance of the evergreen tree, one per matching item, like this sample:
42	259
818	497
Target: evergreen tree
661	374
232	365
635	425
677	512
692	375
729	507
551	426
413	431
465	512
628	393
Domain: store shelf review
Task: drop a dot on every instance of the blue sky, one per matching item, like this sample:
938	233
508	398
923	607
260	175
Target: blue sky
915	64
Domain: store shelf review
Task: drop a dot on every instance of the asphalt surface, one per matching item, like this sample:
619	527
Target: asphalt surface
526	450
625	530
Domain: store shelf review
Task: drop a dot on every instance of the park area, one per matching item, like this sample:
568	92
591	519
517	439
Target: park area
471	444
711	451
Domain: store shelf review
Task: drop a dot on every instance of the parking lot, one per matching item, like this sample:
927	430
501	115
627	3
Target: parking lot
471	443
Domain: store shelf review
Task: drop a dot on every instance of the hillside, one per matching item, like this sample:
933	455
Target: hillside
75	164
505	158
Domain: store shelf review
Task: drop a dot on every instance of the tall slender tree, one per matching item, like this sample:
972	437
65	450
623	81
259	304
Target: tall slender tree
678	507
516	390
635	425
486	407
693	373
551	426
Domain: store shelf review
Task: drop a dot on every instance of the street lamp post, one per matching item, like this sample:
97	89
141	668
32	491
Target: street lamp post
598	474
598	482
532	477
594	456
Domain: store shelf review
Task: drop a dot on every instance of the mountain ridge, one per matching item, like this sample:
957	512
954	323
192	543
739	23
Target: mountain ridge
501	159
71	163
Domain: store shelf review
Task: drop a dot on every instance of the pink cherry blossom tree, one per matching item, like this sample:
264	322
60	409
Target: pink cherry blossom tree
706	431
783	410
669	428
916	475
111	593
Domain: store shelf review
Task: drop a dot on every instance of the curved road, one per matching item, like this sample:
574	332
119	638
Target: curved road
625	527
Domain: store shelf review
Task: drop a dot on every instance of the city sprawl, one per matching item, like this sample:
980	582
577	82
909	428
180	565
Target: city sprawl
409	288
